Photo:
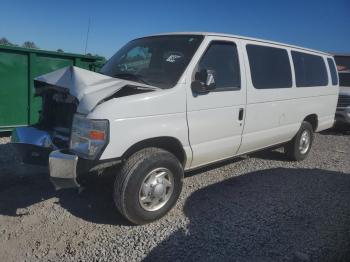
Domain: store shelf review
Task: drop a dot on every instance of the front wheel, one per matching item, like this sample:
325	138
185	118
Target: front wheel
148	185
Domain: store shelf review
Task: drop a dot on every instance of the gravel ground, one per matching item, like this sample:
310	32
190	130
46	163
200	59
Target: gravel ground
256	208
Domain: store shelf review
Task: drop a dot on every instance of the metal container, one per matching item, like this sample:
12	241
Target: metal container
18	68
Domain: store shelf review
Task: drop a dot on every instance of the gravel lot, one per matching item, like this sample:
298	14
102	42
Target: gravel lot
256	208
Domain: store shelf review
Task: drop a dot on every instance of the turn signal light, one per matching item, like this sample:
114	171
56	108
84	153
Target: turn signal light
97	135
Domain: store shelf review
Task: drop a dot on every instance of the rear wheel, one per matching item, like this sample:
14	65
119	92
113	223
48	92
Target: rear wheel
299	147
148	185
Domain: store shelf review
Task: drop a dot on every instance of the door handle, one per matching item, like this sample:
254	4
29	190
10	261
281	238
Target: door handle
240	114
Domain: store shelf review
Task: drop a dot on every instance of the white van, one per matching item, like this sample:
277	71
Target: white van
169	103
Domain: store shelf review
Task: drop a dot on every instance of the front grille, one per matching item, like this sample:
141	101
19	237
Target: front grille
343	101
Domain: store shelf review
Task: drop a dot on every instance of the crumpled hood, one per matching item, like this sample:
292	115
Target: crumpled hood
88	87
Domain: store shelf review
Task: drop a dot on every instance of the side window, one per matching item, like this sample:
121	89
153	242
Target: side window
333	71
269	67
222	58
310	70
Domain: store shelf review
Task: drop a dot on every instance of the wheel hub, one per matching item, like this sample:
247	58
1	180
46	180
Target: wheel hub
156	189
304	143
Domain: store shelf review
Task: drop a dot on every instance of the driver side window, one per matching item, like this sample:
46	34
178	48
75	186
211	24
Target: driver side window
222	58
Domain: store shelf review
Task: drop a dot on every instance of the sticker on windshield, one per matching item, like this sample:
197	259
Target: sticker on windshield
173	57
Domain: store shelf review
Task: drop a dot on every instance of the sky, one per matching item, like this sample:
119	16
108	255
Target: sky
322	25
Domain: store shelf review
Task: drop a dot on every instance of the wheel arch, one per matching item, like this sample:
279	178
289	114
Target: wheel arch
171	144
313	120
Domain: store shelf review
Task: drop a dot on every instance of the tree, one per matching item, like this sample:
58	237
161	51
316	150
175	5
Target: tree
4	41
102	58
60	50
29	44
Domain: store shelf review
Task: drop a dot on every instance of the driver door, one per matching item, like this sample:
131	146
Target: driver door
216	118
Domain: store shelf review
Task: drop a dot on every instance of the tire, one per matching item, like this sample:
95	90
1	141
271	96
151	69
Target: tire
136	187
298	148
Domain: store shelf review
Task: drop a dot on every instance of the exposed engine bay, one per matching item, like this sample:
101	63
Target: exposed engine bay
59	107
56	116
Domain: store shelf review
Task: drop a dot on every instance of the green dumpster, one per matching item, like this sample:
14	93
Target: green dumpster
18	68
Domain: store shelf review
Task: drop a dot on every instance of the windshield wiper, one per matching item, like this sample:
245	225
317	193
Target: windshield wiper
129	76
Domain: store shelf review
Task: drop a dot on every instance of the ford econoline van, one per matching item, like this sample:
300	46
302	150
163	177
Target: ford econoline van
166	104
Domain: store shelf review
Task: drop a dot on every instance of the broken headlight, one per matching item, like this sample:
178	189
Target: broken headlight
89	136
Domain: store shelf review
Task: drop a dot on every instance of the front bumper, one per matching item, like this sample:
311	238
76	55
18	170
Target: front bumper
63	169
342	115
35	147
67	169
32	145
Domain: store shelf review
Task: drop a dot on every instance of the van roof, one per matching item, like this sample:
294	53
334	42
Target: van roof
243	37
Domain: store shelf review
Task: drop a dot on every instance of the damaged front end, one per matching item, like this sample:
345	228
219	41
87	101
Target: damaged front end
52	132
64	137
38	143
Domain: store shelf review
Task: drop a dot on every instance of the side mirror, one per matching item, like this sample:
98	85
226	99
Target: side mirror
205	81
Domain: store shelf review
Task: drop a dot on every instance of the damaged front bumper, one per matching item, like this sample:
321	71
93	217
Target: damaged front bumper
35	147
32	145
66	168
63	169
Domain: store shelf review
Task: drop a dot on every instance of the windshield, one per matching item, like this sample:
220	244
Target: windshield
158	60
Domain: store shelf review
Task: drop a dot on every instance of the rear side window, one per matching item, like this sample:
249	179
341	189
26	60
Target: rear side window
269	67
222	58
310	70
333	71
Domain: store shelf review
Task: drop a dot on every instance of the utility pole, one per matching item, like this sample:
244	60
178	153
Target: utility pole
87	35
